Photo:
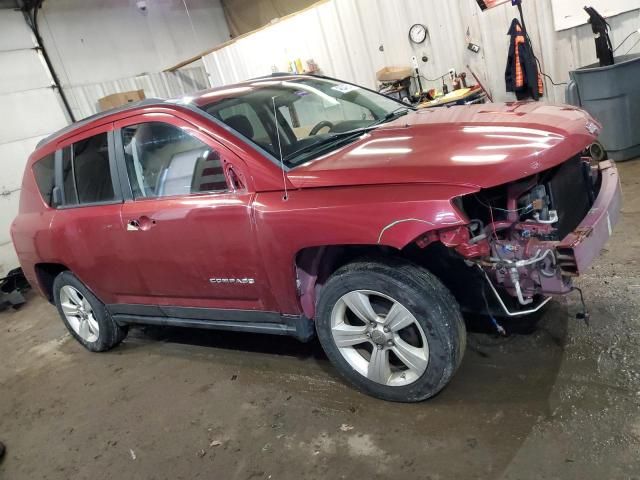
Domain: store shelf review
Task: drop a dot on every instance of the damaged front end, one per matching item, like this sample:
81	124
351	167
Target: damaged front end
529	239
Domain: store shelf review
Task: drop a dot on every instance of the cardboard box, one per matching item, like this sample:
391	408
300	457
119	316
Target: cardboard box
119	99
393	74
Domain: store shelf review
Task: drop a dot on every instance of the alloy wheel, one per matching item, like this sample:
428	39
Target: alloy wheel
379	338
79	314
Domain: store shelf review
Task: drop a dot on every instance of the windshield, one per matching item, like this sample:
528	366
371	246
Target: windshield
314	115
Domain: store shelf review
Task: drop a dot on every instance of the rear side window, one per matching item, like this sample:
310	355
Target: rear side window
86	173
44	173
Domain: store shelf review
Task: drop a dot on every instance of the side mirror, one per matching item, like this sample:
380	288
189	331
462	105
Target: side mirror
56	197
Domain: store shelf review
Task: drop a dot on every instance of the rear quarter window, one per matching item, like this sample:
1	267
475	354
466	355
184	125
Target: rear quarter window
44	173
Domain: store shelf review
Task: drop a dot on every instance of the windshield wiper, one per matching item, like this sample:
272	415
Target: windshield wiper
336	137
397	113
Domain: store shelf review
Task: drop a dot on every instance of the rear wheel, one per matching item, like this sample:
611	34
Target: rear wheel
85	316
392	329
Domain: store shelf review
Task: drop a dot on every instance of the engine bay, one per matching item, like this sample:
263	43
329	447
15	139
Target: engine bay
522	222
514	239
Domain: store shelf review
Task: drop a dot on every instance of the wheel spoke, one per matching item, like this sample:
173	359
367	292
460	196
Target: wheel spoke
398	318
86	305
414	358
379	369
359	304
70	309
93	325
83	329
73	295
348	335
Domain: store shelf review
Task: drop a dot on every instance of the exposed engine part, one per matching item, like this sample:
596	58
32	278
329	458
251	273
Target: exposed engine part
552	217
520	225
537	258
499	328
476	228
502	304
584	315
537	200
515	279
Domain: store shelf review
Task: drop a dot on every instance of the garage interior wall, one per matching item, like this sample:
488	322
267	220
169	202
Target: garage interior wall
352	39
31	110
244	16
97	47
95	42
155	85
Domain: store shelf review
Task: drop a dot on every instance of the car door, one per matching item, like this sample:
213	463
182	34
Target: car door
86	234
190	235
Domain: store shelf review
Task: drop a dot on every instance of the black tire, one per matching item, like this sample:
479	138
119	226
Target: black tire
597	152
110	333
430	302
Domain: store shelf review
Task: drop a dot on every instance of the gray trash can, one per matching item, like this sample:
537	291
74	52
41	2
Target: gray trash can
612	95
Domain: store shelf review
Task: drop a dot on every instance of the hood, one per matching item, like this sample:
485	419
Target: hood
480	146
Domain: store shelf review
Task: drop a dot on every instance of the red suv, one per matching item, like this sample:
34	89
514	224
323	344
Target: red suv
293	205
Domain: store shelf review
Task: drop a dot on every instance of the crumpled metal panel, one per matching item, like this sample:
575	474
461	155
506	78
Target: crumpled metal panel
84	98
344	37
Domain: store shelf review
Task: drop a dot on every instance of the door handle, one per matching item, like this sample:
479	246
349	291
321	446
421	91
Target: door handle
143	223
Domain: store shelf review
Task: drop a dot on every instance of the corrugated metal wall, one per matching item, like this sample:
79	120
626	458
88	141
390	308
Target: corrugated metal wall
30	110
352	39
84	98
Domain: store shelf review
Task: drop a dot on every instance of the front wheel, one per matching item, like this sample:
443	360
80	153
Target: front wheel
392	329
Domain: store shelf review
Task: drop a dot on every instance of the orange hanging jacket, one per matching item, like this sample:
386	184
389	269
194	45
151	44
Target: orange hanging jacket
522	76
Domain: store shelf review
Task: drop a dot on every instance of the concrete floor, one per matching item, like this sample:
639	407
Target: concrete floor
563	402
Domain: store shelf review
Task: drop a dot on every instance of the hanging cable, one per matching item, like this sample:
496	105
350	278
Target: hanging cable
626	38
526	32
634	46
434	79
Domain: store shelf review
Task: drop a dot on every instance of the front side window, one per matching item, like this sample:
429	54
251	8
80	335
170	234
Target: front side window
86	173
163	160
303	117
44	173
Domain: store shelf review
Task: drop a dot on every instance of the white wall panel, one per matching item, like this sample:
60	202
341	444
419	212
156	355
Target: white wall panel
15	35
344	37
8	210
570	13
13	158
22	70
29	110
29	114
84	98
94	41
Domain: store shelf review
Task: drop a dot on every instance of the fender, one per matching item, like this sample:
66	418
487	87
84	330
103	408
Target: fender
379	216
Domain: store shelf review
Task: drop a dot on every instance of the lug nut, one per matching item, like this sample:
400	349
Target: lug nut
386	329
390	343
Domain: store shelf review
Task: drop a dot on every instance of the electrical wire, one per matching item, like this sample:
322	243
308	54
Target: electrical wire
434	79
551	79
634	46
526	33
626	38
489	206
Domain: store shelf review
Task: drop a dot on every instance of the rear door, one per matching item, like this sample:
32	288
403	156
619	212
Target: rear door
85	230
189	232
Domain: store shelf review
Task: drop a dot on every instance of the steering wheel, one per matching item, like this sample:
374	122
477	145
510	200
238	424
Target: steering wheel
319	126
